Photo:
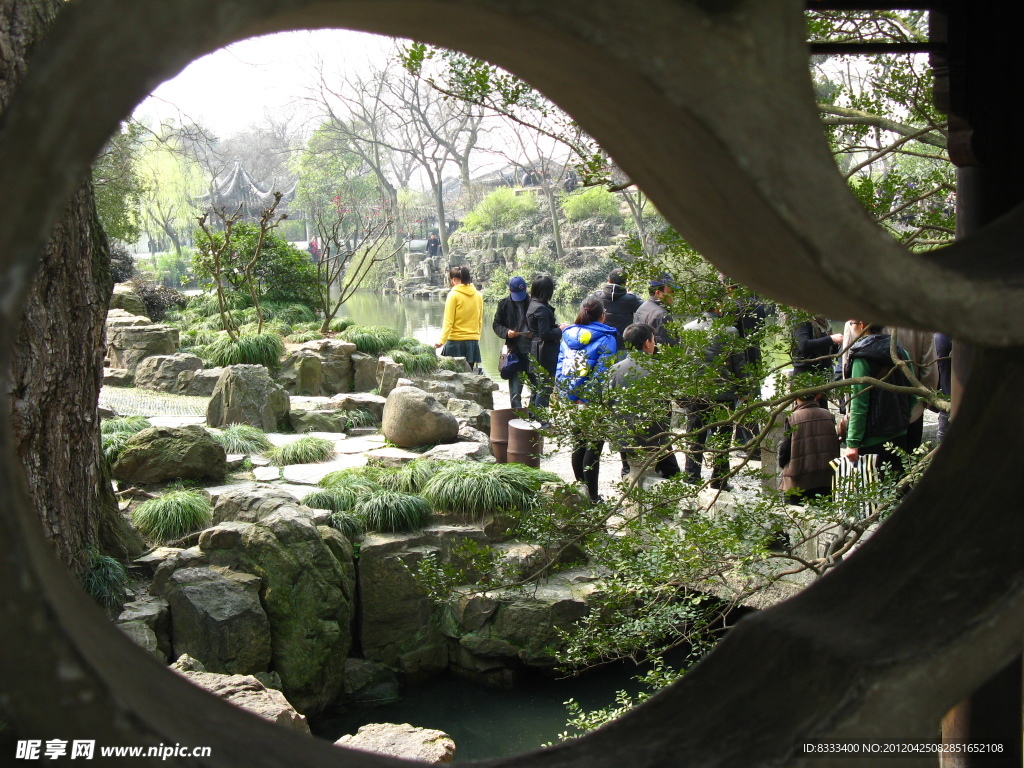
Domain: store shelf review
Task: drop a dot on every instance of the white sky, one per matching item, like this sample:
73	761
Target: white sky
234	87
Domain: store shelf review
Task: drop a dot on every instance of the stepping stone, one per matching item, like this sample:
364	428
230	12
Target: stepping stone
267	474
311	474
390	457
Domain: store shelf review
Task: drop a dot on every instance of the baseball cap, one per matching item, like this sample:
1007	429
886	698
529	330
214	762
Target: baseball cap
662	280
517	287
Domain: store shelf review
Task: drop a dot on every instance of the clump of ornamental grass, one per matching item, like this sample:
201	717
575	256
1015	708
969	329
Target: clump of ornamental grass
259	349
243	438
451	364
476	489
113	445
372	339
339	499
293	314
356	477
411	477
351	525
416	364
129	424
303	336
305	450
359	418
392	511
172	515
414	347
339	324
104	579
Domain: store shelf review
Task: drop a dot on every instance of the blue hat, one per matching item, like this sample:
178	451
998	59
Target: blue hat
517	287
662	280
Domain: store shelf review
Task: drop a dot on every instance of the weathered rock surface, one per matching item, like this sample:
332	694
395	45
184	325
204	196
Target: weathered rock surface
117	377
124	298
217	618
369	684
302	373
128	345
118	318
247	692
163	372
444	385
364	372
413	418
470	413
252	504
402	740
357	401
199	383
307	593
461	451
470	435
148	623
167	453
320	367
245	394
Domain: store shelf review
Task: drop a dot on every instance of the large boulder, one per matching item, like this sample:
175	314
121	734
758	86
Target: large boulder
402	740
307	592
251	504
128	345
245	394
247	692
302	373
163	372
317	421
413	418
167	453
336	361
369	684
217	618
118	318
471	413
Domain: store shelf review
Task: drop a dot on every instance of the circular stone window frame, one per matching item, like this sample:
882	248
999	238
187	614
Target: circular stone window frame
928	608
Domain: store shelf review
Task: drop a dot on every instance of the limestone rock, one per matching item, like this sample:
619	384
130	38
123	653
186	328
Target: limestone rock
166	453
245	394
148	623
217	618
249	693
117	377
118	318
413	418
391	458
364	372
461	451
317	421
302	373
471	413
369	684
126	299
199	383
306	594
357	401
128	345
405	741
469	435
250	505
335	365
162	372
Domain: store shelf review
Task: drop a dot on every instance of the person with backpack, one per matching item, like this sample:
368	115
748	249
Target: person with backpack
587	350
619	304
877	416
545	333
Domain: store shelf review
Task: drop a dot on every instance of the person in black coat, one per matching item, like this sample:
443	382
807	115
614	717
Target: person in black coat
510	325
546	337
812	341
619	304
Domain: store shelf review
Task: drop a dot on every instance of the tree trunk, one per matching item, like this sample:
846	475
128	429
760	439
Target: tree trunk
57	367
556	227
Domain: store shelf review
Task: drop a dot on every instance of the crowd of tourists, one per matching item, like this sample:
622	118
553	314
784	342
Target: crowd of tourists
615	334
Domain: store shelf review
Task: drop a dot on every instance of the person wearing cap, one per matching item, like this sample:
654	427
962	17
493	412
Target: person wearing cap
619	304
510	326
656	311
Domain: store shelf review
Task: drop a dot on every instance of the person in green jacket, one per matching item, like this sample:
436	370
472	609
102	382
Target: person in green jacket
878	416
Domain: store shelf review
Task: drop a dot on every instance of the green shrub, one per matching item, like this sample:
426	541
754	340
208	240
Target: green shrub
501	209
242	438
305	450
372	339
105	580
293	314
592	203
129	424
113	445
172	515
476	489
392	511
352	526
206	304
263	349
339	324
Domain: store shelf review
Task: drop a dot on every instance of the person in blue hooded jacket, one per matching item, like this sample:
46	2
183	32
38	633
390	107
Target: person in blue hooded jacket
588	349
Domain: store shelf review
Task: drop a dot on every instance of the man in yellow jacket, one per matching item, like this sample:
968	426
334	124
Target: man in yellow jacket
463	318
